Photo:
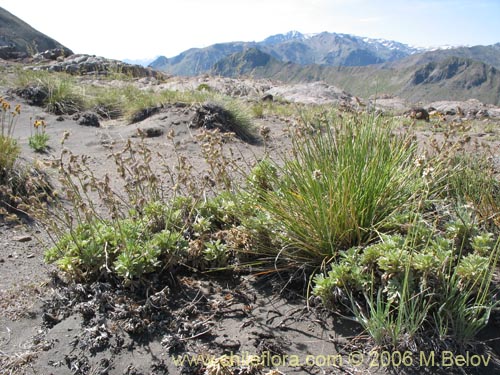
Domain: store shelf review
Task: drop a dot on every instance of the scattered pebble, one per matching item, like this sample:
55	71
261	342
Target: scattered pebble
22	238
29	256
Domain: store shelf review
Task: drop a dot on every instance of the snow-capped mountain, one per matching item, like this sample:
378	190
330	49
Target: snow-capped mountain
281	38
324	48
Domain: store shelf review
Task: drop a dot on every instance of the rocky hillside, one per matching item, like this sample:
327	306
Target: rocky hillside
324	49
18	39
426	77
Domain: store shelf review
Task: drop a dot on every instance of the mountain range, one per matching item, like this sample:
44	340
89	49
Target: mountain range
361	66
325	48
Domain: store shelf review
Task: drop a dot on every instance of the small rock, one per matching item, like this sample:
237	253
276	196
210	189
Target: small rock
267	98
144	114
2	260
150	132
227	343
22	238
50	320
89	119
29	256
60	118
34	95
418	114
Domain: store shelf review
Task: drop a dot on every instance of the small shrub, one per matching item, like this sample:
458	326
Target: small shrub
404	292
203	87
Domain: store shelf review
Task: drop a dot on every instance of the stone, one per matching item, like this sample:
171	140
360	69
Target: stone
24	238
53	54
89	64
267	98
419	114
150	132
88	119
34	95
144	114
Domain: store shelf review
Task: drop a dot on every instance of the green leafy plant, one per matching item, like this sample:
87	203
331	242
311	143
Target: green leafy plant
39	141
394	324
203	87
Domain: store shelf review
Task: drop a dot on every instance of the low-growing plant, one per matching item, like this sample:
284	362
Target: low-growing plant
404	291
39	141
258	110
127	236
394	325
19	182
203	87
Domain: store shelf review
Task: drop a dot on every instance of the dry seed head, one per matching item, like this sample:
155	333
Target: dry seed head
317	174
171	134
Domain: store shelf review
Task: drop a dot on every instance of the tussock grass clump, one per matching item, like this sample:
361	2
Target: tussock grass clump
340	186
227	117
59	93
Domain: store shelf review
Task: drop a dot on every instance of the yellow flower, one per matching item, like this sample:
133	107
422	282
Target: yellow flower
5	105
39	123
18	109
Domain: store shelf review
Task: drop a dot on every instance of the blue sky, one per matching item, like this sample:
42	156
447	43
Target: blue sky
148	28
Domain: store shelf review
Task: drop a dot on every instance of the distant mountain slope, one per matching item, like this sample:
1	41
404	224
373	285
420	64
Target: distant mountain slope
489	55
242	63
416	79
18	39
196	61
323	49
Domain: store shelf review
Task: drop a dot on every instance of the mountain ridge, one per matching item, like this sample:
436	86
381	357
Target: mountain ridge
323	48
18	39
425	78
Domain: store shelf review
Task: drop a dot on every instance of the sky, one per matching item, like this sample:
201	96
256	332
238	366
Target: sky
145	29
